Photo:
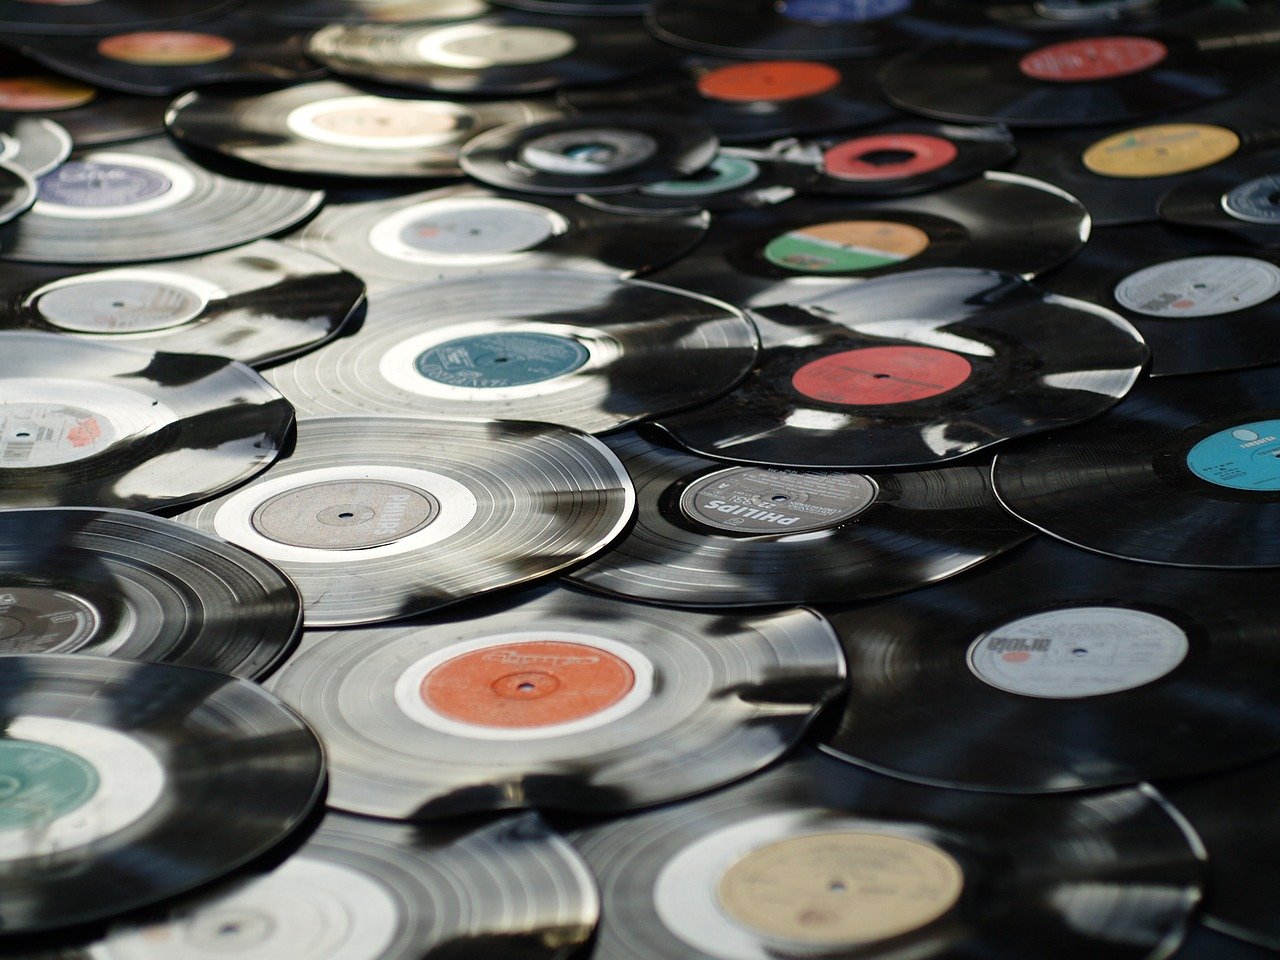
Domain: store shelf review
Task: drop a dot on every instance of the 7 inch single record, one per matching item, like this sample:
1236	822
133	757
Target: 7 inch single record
467	230
1185	471
96	17
333	129
33	144
97	424
578	349
380	518
915	370
558	699
129	585
1240	197
258	304
1102	672
711	535
817	858
130	783
319	13
17	192
147	201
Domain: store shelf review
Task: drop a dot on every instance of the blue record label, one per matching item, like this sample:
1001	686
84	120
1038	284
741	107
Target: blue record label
1246	457
497	360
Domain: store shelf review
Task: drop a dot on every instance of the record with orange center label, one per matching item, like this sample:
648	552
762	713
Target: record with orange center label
101	17
319	13
914	370
557	698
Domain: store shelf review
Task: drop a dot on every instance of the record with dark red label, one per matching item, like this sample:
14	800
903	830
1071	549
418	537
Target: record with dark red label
101	17
319	13
1240	197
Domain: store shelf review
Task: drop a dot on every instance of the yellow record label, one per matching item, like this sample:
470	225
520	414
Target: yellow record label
1161	150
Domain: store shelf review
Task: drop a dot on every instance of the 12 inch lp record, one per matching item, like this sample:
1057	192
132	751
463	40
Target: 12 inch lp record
816	858
95	17
1185	471
1100	672
914	370
558	699
1239	197
130	783
708	534
378	518
92	117
318	13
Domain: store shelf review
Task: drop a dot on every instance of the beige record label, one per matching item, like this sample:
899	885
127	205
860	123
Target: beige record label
1161	150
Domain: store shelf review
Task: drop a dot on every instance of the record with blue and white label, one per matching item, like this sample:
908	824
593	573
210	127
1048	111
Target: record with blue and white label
1238	198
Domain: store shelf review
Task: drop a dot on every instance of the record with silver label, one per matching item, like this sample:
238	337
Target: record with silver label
507	53
558	699
817	858
258	304
115	583
914	370
127	784
1101	672
96	424
319	13
711	535
1240	197
590	153
147	201
578	349
379	518
17	193
360	889
467	230
33	144
95	17
336	130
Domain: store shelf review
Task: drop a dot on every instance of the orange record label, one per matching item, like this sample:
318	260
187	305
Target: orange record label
882	375
166	48
771	80
36	94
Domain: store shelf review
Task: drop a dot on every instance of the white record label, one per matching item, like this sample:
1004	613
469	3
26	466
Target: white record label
479	46
124	301
380	123
459	231
1199	286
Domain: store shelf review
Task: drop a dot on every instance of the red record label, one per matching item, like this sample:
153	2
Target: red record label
882	375
1094	58
770	81
166	48
888	156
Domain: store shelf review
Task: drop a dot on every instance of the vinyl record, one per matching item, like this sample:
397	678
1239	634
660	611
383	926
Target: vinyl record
590	153
258	304
146	201
17	192
319	13
335	130
96	18
558	699
916	370
818	858
96	424
358	889
999	222
1238	197
1202	942
467	230
1097	672
33	144
712	535
1185	471
582	8
1202	303
578	349
123	584
131	783
378	518
506	53
1082	14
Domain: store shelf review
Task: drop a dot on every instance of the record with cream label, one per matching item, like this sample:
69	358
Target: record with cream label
98	17
557	699
817	858
33	144
318	13
17	193
1240	198
127	784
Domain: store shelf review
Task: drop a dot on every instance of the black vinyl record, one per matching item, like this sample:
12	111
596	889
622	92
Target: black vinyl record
1238	197
33	144
506	53
1082	14
1095	671
558	699
258	304
129	585
336	130
17	192
578	349
131	783
379	518
97	18
590	153
319	13
712	535
1203	942
1000	222
915	370
97	424
466	230
582	8
819	858
147	201
1185	471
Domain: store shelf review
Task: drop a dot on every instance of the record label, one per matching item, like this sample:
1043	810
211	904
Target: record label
1199	286
724	174
1078	652
379	123
345	515
119	305
41	94
1093	58
48	434
34	620
774	81
843	246
758	500
841	11
1160	150
112	186
481	46
498	360
1246	457
40	782
888	156
1255	200
166	48
881	375
477	230
590	151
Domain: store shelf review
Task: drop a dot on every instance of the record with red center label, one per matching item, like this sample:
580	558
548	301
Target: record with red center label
100	17
579	349
712	535
380	518
319	13
914	370
558	699
1240	197
1082	657
818	858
